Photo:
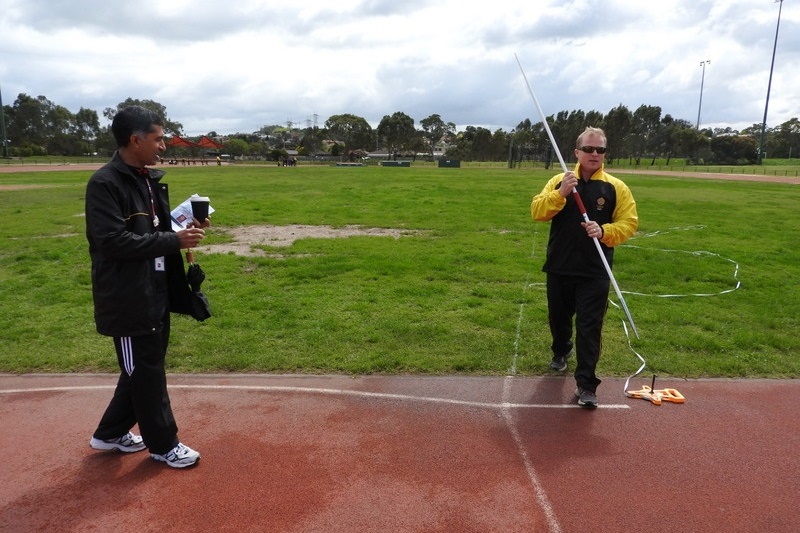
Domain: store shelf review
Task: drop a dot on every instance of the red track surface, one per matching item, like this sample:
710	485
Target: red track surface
410	454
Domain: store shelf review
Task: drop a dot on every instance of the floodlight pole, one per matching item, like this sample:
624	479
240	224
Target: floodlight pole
702	81
769	86
3	139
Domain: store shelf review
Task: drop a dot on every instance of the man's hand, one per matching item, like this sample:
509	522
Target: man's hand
196	223
568	184
190	237
593	229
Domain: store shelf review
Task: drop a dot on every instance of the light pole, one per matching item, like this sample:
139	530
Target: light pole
3	139
769	86
702	80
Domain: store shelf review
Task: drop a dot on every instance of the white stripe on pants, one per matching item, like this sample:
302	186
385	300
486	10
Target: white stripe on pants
126	346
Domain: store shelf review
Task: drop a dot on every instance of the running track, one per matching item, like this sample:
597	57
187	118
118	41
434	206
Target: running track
407	454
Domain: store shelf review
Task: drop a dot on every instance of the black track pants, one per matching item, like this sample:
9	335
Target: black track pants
141	394
585	300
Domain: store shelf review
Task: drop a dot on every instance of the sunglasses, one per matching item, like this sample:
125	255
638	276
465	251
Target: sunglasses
590	149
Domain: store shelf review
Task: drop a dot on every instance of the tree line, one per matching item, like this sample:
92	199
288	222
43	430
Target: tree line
38	126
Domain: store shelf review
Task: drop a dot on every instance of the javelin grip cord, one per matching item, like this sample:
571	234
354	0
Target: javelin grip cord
578	201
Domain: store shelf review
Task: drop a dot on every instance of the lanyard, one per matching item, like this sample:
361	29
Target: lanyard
152	203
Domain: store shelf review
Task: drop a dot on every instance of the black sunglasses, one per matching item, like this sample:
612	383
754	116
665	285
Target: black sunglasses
590	149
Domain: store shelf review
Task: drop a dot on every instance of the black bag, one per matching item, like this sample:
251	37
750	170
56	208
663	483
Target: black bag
185	296
199	307
198	302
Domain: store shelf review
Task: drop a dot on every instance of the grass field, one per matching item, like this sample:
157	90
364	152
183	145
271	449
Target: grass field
463	294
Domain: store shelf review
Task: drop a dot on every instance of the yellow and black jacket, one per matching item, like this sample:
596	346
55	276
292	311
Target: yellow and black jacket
608	201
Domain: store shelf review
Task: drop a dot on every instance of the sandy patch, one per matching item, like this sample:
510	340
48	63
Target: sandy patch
245	238
709	175
50	167
23	187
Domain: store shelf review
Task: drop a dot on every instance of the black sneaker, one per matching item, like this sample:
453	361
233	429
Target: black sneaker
586	398
559	362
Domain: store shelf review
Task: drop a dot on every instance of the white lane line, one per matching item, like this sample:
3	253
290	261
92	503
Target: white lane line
541	495
334	392
518	335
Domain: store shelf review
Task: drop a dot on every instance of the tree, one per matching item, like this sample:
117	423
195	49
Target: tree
664	140
560	129
27	125
397	132
478	144
482	145
785	139
236	147
170	127
724	131
58	125
574	125
435	130
617	124
353	131
521	142
37	126
499	145
593	119
753	131
86	127
691	143
311	142
733	150
532	142
645	128
462	148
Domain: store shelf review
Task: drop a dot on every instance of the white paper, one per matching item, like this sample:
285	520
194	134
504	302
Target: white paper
182	215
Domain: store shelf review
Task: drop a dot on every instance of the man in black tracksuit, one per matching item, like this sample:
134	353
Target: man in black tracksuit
137	279
577	281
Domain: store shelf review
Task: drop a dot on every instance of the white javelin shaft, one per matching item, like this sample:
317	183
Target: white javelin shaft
541	114
580	203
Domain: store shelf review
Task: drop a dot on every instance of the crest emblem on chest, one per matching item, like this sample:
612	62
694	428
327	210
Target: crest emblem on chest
600	205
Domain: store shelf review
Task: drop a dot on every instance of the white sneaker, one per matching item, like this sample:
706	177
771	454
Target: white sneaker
180	456
126	443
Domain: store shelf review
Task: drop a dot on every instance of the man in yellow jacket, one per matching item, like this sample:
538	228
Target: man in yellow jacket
577	281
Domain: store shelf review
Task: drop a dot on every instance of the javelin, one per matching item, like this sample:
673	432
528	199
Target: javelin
578	201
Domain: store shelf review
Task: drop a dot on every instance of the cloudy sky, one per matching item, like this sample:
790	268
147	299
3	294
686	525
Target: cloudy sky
239	65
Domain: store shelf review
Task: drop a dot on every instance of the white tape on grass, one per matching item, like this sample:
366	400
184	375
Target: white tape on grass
698	253
736	284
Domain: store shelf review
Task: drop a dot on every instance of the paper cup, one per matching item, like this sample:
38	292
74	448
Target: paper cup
200	207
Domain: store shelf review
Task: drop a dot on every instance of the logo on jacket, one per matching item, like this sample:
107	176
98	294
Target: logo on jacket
601	204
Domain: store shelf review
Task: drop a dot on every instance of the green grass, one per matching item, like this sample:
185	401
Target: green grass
462	295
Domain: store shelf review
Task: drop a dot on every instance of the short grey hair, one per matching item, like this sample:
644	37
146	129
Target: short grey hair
590	130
